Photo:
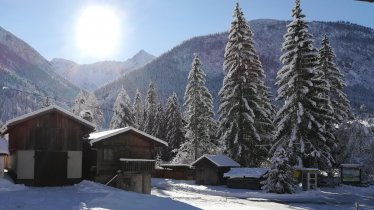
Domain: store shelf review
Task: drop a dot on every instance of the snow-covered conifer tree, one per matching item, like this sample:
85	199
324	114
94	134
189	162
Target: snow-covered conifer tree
303	121
174	128
279	179
159	125
150	109
85	102
138	110
245	111
123	113
335	79
198	108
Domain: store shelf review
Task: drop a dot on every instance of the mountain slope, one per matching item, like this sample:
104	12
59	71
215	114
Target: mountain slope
353	45
92	76
23	68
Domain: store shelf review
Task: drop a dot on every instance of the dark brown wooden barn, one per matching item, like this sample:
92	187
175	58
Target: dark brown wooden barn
123	158
246	178
210	169
45	146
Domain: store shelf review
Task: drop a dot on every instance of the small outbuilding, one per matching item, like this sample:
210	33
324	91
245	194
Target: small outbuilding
246	178
122	158
175	171
210	169
309	178
45	147
351	174
4	152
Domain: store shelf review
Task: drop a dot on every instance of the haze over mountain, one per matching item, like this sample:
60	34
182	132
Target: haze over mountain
23	68
93	76
353	45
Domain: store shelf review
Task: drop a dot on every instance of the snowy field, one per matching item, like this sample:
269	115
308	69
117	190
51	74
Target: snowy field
176	195
220	197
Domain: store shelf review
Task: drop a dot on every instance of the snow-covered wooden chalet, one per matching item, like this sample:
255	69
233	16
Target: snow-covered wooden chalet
122	158
45	146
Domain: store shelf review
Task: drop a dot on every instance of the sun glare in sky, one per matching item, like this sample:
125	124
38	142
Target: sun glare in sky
98	31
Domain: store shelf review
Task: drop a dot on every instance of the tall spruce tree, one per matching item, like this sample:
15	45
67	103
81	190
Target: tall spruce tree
138	110
198	107
123	112
340	103
159	125
174	128
245	111
150	109
302	120
86	102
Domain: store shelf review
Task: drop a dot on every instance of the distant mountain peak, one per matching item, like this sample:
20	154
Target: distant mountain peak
144	55
91	76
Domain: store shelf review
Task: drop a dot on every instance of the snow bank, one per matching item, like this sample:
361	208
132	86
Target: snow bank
83	196
7	185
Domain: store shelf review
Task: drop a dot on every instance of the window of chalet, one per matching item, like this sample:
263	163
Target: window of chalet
108	155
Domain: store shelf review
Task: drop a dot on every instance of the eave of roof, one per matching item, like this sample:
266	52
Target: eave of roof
107	134
42	111
211	159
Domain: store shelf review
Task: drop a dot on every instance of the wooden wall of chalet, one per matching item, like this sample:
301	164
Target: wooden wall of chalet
49	132
125	145
209	174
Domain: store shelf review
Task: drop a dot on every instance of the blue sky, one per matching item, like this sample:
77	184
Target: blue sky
156	25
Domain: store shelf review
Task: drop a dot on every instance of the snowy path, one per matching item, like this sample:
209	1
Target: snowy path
220	197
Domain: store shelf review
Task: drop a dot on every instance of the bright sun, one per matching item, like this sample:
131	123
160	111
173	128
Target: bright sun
97	31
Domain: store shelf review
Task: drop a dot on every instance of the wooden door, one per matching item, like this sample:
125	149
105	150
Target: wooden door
50	168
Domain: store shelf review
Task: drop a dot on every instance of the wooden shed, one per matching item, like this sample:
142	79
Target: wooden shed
45	146
351	174
246	178
4	152
210	169
175	171
122	158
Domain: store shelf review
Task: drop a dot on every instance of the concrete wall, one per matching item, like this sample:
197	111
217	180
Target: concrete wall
25	164
74	165
135	182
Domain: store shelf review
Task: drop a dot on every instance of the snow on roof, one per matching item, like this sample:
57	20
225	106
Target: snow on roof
98	136
350	165
246	172
135	160
218	160
4	146
39	112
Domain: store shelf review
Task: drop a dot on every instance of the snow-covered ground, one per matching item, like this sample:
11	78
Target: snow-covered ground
220	197
83	196
177	195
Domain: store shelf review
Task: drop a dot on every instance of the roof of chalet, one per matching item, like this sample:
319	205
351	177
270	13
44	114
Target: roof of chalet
43	111
99	136
246	172
4	150
218	160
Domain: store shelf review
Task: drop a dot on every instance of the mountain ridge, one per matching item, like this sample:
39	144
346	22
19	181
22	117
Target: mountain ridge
94	75
353	44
